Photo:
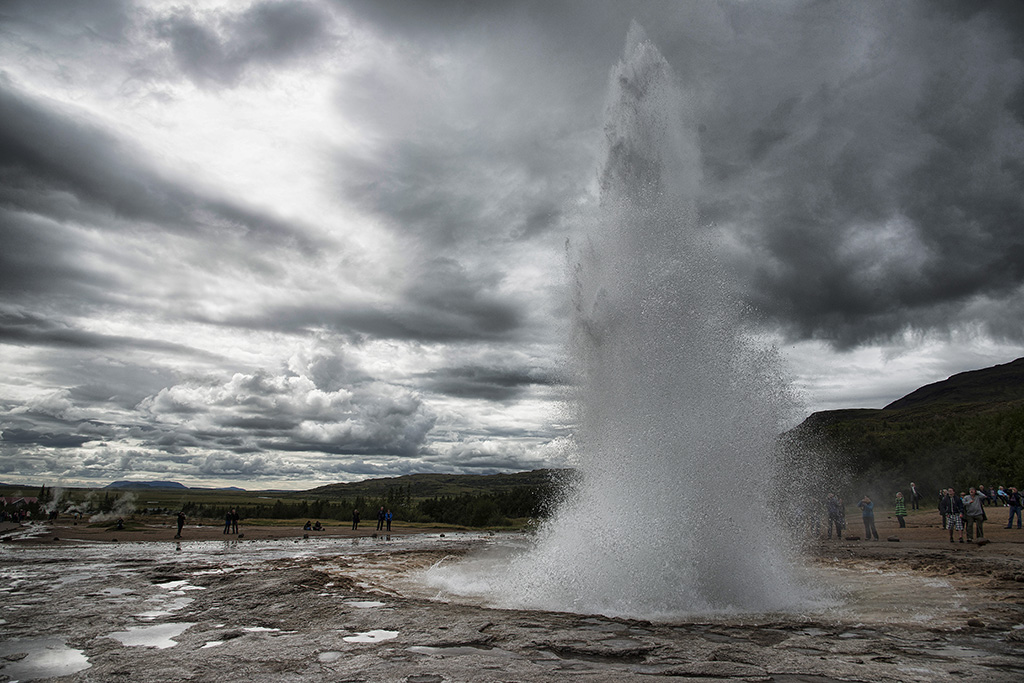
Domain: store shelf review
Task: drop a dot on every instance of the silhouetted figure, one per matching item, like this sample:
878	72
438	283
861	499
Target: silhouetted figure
181	523
355	520
234	521
836	515
227	522
915	496
380	519
1016	502
307	526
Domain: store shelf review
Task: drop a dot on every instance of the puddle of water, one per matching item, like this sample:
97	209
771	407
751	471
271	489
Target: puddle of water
374	636
459	650
180	585
160	636
166	609
44	658
364	604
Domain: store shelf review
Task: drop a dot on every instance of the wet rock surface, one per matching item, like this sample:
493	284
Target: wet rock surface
348	610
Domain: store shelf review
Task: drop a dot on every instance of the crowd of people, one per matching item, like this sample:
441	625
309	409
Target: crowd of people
962	512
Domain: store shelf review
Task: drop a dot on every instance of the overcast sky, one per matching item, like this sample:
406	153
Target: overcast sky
277	244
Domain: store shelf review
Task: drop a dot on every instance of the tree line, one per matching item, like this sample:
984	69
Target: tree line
500	508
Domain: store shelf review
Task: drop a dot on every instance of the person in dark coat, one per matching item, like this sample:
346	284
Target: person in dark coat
355	520
953	512
836	515
181	522
1016	502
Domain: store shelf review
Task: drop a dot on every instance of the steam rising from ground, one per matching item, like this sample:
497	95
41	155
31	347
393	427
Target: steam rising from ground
678	412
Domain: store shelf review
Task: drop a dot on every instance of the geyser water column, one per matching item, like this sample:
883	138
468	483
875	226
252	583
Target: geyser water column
677	411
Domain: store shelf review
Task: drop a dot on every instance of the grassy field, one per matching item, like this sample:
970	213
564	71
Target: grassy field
430	500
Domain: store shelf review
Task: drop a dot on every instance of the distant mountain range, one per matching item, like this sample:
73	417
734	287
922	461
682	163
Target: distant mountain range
962	431
127	484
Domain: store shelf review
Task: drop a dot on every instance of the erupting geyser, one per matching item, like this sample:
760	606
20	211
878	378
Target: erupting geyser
678	412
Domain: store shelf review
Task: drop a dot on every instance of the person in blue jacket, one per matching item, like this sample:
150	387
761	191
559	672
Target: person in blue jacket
867	514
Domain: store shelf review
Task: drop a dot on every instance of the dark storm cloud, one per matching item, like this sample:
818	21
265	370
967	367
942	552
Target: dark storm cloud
485	382
29	329
217	53
23	437
39	259
867	157
439	305
107	20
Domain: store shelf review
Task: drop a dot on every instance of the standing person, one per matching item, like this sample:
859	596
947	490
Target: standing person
227	522
836	515
942	506
234	521
953	511
387	519
1016	502
867	514
981	489
974	513
380	519
355	520
901	509
915	497
181	523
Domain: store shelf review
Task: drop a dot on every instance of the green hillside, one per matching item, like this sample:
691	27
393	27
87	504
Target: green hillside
419	486
497	500
963	431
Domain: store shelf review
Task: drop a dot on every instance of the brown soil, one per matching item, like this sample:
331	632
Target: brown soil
146	529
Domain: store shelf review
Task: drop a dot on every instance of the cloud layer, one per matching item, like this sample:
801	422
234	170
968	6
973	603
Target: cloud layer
281	243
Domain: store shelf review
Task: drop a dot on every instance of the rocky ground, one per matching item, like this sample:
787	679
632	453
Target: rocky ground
274	606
